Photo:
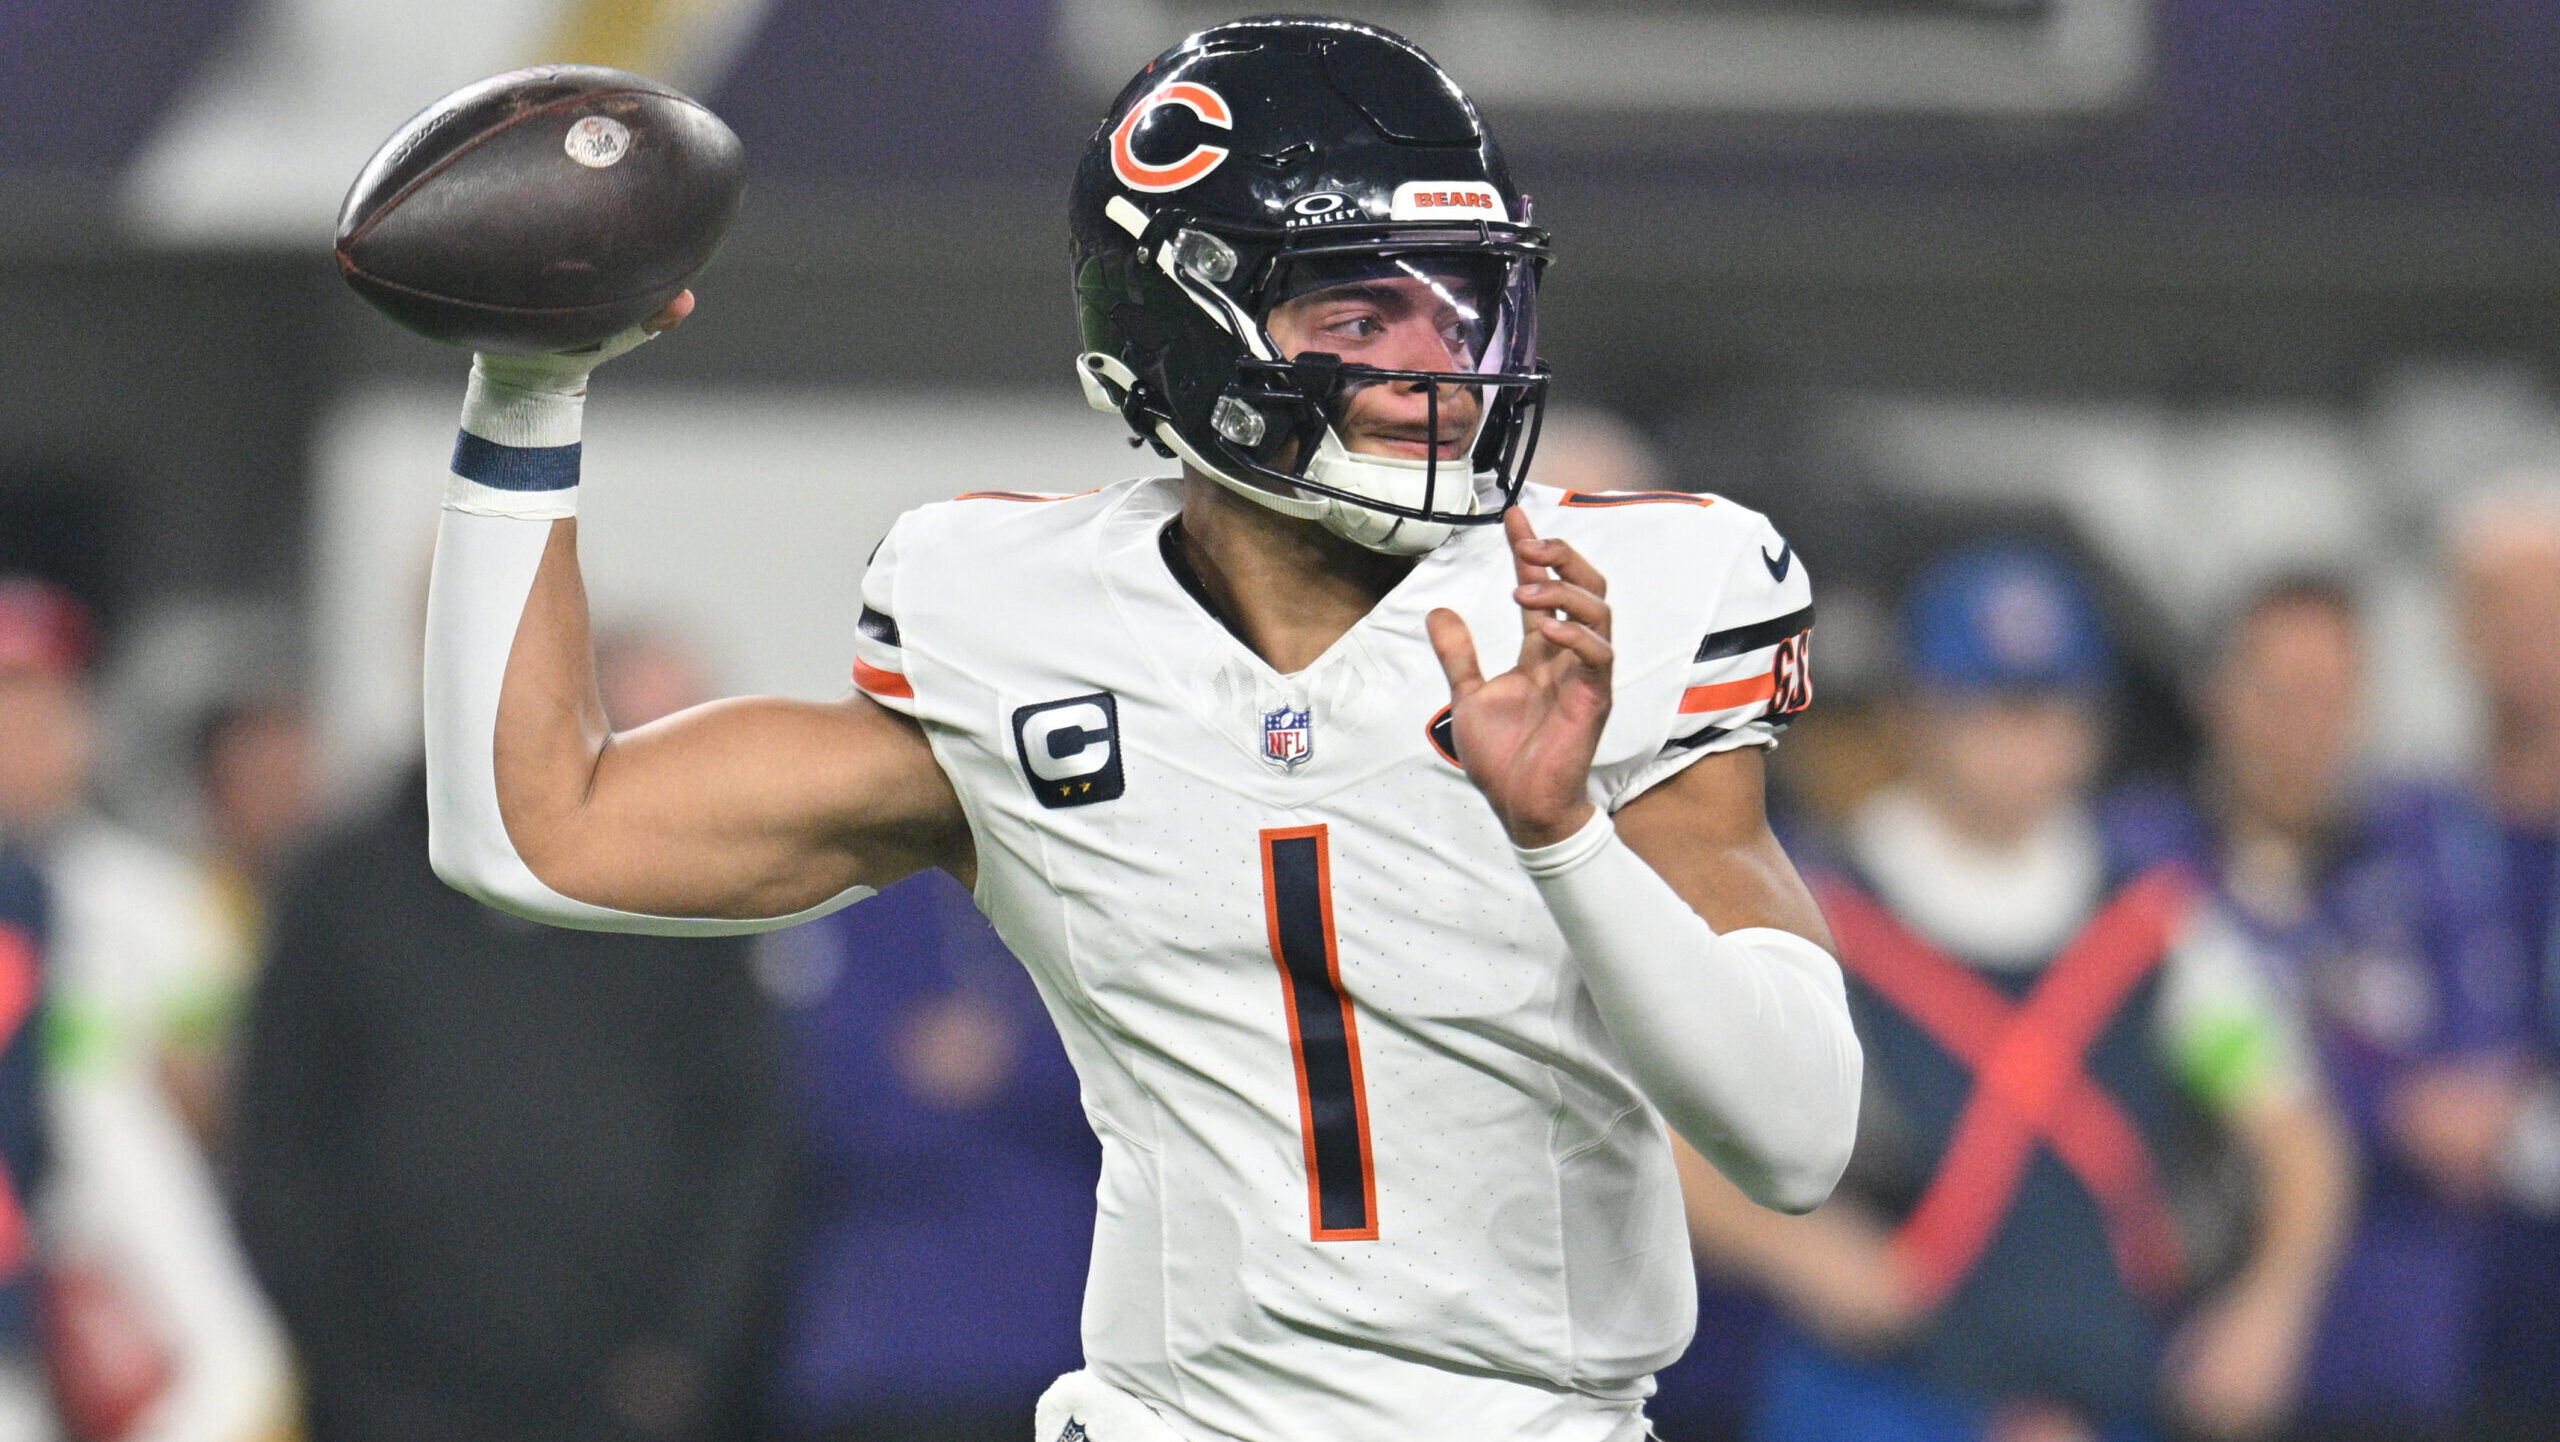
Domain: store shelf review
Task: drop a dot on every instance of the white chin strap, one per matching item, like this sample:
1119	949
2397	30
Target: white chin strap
1395	480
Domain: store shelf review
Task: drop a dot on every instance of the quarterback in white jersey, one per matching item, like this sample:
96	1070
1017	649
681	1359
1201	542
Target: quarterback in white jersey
1386	982
1313	998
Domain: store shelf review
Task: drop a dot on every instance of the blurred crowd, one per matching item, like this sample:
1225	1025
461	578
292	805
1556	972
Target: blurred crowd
2213	1082
2208	1099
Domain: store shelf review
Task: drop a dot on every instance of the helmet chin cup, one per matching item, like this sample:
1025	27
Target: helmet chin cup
1398	481
1387	535
1276	436
1388	478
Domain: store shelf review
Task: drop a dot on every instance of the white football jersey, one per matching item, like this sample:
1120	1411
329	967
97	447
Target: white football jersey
1372	1169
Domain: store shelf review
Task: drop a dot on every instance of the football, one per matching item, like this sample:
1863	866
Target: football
540	210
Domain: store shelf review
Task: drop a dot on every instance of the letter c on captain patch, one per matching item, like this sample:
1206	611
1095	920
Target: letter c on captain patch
1156	179
1070	749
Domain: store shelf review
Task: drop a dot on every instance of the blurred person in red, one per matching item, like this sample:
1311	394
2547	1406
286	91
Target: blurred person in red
26	1405
130	1222
509	1183
2051	1015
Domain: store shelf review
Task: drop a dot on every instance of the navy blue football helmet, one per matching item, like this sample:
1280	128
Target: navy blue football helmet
1270	159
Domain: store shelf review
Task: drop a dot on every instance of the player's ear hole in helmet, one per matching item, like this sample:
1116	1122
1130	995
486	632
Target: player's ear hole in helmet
1266	170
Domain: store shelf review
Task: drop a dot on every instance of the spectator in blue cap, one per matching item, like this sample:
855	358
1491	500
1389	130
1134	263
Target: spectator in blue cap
2009	670
2048	1015
2006	617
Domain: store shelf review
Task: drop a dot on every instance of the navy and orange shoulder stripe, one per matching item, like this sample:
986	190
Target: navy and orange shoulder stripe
1598	500
1018	496
882	629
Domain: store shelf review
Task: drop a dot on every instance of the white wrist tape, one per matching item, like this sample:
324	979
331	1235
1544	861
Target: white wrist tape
519	449
1742	1041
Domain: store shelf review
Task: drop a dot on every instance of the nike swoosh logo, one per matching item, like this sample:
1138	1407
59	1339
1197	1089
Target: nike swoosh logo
1779	563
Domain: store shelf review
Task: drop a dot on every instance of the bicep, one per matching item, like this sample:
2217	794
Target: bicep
756	806
1706	831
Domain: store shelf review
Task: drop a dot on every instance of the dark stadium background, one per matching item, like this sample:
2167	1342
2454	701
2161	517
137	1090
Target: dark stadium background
2289	201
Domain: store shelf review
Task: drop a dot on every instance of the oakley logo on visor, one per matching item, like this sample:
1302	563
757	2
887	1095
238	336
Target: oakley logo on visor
1070	749
1156	179
1447	199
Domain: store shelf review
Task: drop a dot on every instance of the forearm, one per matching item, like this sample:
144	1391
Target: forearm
1742	1041
2236	1369
2304	1184
1835	1268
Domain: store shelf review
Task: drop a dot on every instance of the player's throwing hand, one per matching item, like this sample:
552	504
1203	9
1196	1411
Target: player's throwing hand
1527	736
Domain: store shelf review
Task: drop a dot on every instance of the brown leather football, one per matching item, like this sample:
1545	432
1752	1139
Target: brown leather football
542	209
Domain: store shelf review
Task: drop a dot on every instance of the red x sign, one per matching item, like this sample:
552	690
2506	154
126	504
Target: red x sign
2027	1061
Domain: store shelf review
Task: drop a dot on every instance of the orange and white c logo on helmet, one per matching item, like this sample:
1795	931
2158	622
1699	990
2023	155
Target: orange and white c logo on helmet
1137	174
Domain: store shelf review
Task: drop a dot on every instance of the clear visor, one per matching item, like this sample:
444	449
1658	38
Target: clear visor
1468	313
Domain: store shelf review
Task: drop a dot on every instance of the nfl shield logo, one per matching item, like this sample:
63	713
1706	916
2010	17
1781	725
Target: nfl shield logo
1288	736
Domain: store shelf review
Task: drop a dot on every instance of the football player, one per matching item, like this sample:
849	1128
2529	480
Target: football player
1381	1071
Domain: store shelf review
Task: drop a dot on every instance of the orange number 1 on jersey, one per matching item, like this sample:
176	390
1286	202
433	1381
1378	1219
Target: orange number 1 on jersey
1324	1037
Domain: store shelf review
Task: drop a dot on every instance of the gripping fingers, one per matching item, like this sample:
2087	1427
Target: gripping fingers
1588	646
1457	652
1573	601
564	373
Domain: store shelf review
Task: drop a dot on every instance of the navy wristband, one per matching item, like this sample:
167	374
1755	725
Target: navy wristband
515	468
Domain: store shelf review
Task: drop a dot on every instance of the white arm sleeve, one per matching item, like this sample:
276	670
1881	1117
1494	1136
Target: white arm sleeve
1742	1041
515	472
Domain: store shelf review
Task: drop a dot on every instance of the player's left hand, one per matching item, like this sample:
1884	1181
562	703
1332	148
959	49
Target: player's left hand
1527	736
